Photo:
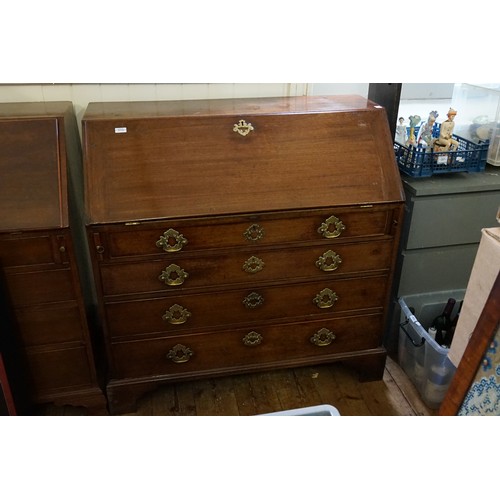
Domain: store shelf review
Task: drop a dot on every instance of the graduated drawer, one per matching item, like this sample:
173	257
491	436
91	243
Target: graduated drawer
171	315
247	268
40	287
158	238
50	323
245	347
26	251
59	369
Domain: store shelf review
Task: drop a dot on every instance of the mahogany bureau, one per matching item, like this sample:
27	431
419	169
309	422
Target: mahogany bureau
237	235
41	234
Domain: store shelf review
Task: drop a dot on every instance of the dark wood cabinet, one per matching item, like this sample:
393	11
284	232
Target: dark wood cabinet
231	236
43	252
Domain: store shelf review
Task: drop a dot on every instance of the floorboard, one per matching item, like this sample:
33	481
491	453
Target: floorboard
268	392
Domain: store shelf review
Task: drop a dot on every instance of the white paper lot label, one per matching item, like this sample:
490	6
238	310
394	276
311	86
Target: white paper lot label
120	130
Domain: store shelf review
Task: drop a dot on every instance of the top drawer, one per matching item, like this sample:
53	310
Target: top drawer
159	238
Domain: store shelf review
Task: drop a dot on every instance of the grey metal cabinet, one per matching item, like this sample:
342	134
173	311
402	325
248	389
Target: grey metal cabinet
444	215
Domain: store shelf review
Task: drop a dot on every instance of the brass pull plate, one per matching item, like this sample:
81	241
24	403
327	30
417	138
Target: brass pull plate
253	300
171	241
173	275
243	128
323	337
179	354
253	265
329	261
252	339
326	298
255	232
176	315
331	228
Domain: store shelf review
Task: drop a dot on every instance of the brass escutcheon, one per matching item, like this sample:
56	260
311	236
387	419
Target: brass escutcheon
253	300
255	232
327	227
243	128
253	265
179	354
326	298
176	315
252	339
173	275
323	337
329	261
171	241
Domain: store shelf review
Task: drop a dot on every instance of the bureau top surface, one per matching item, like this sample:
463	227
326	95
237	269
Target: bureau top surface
32	166
217	107
148	160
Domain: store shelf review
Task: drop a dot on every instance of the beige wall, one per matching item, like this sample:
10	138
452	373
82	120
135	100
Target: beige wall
82	94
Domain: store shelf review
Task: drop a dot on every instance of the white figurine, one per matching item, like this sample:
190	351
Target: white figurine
401	131
425	132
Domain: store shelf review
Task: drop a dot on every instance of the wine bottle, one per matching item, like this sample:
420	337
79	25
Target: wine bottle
449	334
442	322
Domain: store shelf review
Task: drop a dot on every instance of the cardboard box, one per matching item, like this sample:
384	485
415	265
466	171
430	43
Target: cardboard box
484	272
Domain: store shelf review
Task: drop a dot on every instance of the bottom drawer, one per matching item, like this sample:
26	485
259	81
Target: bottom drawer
245	347
60	370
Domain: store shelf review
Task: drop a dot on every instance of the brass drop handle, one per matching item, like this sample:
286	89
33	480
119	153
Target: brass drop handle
329	261
252	339
173	275
326	298
255	232
176	315
253	300
323	337
253	265
331	227
243	128
171	241
180	354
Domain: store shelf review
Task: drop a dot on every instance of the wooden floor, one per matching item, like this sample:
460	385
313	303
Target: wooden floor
268	392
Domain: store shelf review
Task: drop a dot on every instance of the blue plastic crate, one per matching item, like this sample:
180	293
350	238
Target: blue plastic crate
419	162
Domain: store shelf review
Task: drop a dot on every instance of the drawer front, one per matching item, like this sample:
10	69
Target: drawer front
26	251
229	232
201	311
50	324
40	287
58	370
246	268
245	347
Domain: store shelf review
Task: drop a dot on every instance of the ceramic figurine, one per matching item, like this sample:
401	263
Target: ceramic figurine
445	139
414	121
401	131
425	133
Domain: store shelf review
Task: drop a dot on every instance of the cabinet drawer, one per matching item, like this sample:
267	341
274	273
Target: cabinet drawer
50	323
201	311
229	232
40	287
244	347
246	268
26	251
56	370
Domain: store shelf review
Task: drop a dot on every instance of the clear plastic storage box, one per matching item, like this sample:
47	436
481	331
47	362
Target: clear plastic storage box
424	361
478	115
